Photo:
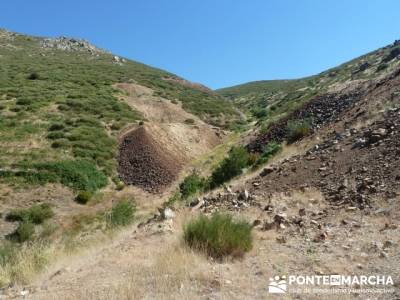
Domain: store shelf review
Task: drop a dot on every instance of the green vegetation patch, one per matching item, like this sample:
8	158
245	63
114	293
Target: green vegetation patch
192	185
83	197
296	130
36	214
230	167
79	175
219	235
24	232
270	150
122	213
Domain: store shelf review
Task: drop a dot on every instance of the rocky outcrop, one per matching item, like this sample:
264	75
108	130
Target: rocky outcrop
71	44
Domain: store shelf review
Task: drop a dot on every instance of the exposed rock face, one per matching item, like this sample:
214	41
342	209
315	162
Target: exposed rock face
71	44
7	35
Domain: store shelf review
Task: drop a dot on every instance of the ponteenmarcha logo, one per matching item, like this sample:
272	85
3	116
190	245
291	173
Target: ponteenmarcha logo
330	283
277	285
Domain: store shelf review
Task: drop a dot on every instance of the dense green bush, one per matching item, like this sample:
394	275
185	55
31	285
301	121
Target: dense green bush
80	175
24	232
269	151
83	197
296	130
122	213
23	101
192	185
77	174
260	113
33	76
56	126
230	167
36	214
218	235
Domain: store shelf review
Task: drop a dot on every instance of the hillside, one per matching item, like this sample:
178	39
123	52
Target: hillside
59	106
272	99
116	183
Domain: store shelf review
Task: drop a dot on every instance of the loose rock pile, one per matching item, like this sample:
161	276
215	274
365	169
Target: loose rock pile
320	111
227	200
350	168
143	162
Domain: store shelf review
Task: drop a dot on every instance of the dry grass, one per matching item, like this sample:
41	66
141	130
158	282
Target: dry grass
28	261
175	273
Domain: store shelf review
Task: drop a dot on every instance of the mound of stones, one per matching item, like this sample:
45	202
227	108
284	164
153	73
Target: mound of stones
320	111
144	163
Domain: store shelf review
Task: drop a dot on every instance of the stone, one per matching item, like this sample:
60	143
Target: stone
320	237
351	208
266	171
281	239
244	195
24	292
168	214
387	244
302	212
194	202
256	223
268	208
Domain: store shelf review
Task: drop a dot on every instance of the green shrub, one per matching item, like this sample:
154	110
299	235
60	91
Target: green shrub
36	214
77	174
33	76
60	143
122	213
189	121
382	67
23	102
191	185
296	130
55	135
260	113
24	232
119	186
230	167
218	235
173	199
83	197
56	126
269	151
7	252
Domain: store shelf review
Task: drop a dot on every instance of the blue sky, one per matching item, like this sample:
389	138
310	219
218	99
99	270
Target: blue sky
218	42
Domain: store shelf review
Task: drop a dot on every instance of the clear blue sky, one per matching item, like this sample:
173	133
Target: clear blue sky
218	42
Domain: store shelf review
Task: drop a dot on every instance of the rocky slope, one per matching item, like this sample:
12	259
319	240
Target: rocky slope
280	97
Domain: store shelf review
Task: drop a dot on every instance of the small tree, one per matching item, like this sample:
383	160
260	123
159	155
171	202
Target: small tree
230	167
191	185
